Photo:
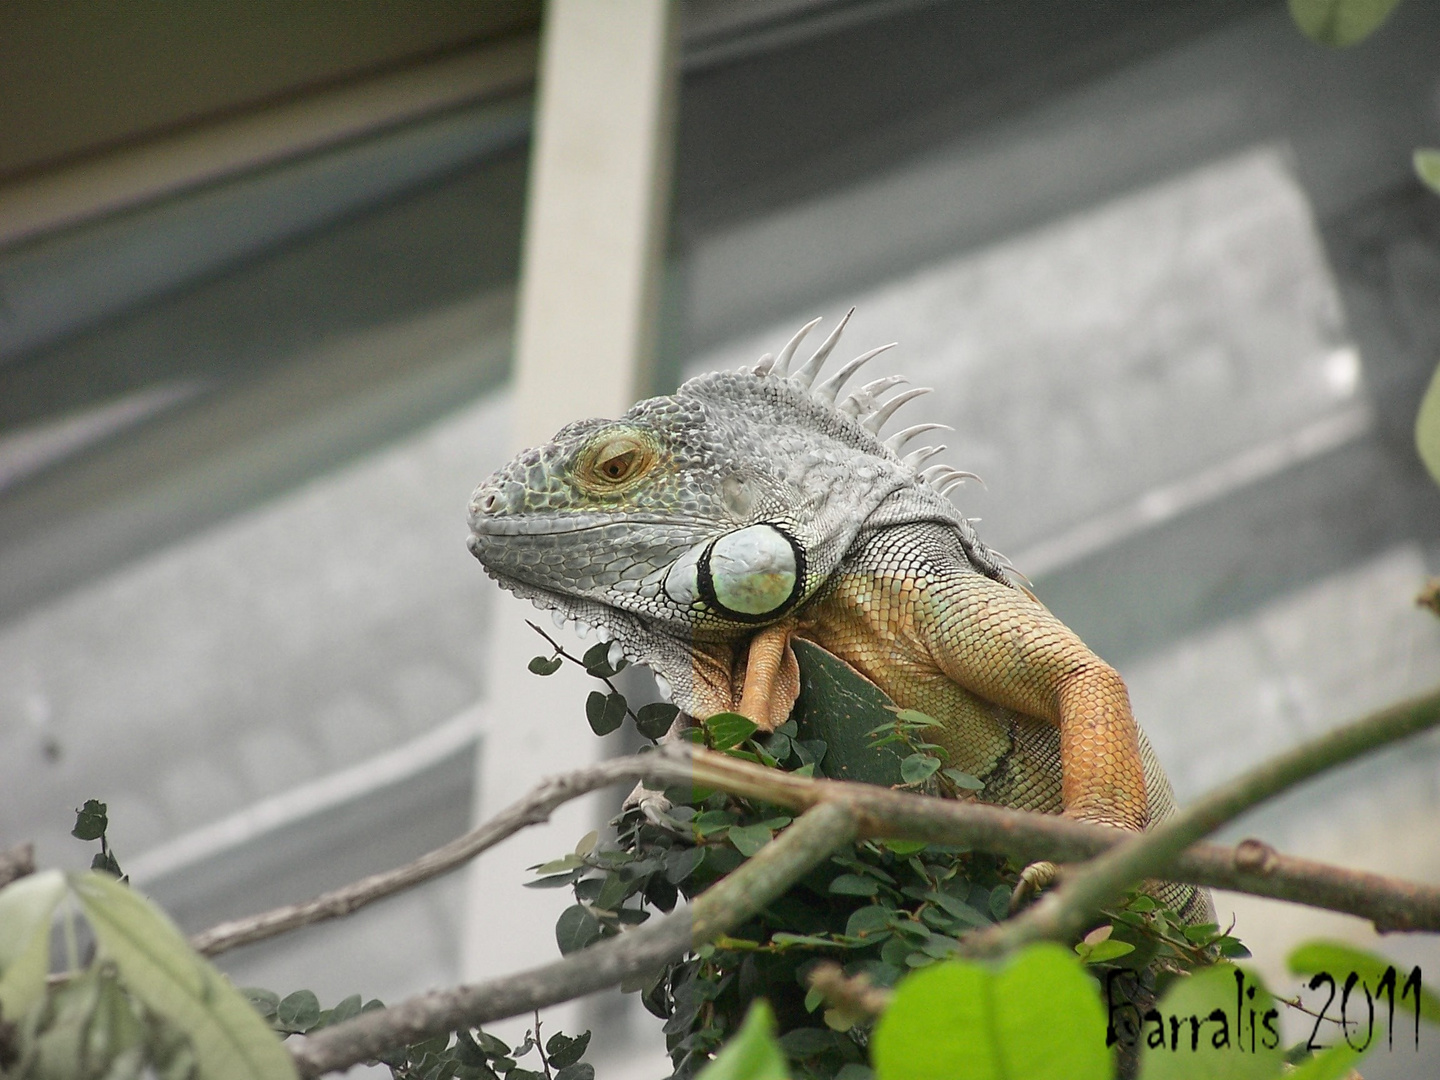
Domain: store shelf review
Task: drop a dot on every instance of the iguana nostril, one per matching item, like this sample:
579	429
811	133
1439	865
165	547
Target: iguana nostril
487	504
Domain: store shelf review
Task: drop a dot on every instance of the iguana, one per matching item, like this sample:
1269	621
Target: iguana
701	532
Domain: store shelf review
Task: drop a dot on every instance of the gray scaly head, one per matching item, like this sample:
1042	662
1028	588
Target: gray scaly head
701	516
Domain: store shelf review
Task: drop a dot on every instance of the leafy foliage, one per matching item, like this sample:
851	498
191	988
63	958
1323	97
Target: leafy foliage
91	822
470	1054
147	1002
881	910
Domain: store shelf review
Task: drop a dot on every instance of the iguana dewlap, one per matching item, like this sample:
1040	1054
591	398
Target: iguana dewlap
701	531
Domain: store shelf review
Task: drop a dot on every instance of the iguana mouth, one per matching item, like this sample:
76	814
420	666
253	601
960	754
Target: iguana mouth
483	524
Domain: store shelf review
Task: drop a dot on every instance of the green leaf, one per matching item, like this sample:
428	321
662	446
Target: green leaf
1427	428
576	928
1228	1041
299	1011
597	661
919	767
266	1002
347	1009
916	718
91	821
963	780
854	885
1000	901
1039	1018
1340	959
654	720
579	1071
606	712
837	705
905	848
1427	167
866	921
753	1054
26	906
729	729
229	1038
1338	23
563	1050
1104	951
544	665
748	839
958	908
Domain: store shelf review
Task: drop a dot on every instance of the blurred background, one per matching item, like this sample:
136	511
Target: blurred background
1165	264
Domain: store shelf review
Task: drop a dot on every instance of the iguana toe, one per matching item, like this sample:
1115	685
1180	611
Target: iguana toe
1034	878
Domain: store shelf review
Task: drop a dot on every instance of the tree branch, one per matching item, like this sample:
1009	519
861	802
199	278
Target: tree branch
532	809
1065	912
725	905
1254	868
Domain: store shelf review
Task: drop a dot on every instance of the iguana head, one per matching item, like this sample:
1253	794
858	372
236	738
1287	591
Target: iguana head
705	514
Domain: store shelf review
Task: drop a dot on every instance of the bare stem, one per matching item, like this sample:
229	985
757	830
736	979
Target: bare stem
532	809
725	905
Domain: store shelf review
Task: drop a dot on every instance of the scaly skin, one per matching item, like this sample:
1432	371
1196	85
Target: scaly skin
703	531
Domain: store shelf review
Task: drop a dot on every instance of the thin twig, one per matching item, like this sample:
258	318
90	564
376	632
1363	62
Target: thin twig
560	652
725	905
532	809
1063	913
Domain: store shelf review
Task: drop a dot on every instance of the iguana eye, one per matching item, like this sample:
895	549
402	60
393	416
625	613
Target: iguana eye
617	467
617	460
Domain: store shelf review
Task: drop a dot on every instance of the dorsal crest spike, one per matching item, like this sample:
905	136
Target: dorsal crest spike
900	438
827	390
805	374
763	365
864	399
876	420
916	458
782	362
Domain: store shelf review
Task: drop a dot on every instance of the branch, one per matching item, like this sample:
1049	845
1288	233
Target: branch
532	809
725	905
1252	867
1064	913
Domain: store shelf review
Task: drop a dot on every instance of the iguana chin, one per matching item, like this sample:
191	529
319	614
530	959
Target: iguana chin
701	532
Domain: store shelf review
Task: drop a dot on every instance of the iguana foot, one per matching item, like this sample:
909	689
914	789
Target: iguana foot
653	804
1034	878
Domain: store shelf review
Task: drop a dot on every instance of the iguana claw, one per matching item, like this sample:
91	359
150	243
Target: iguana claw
1034	878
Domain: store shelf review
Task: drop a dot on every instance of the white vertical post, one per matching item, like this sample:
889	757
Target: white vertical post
599	182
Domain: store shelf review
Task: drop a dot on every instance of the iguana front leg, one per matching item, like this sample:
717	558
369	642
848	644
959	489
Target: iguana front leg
994	666
1006	647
